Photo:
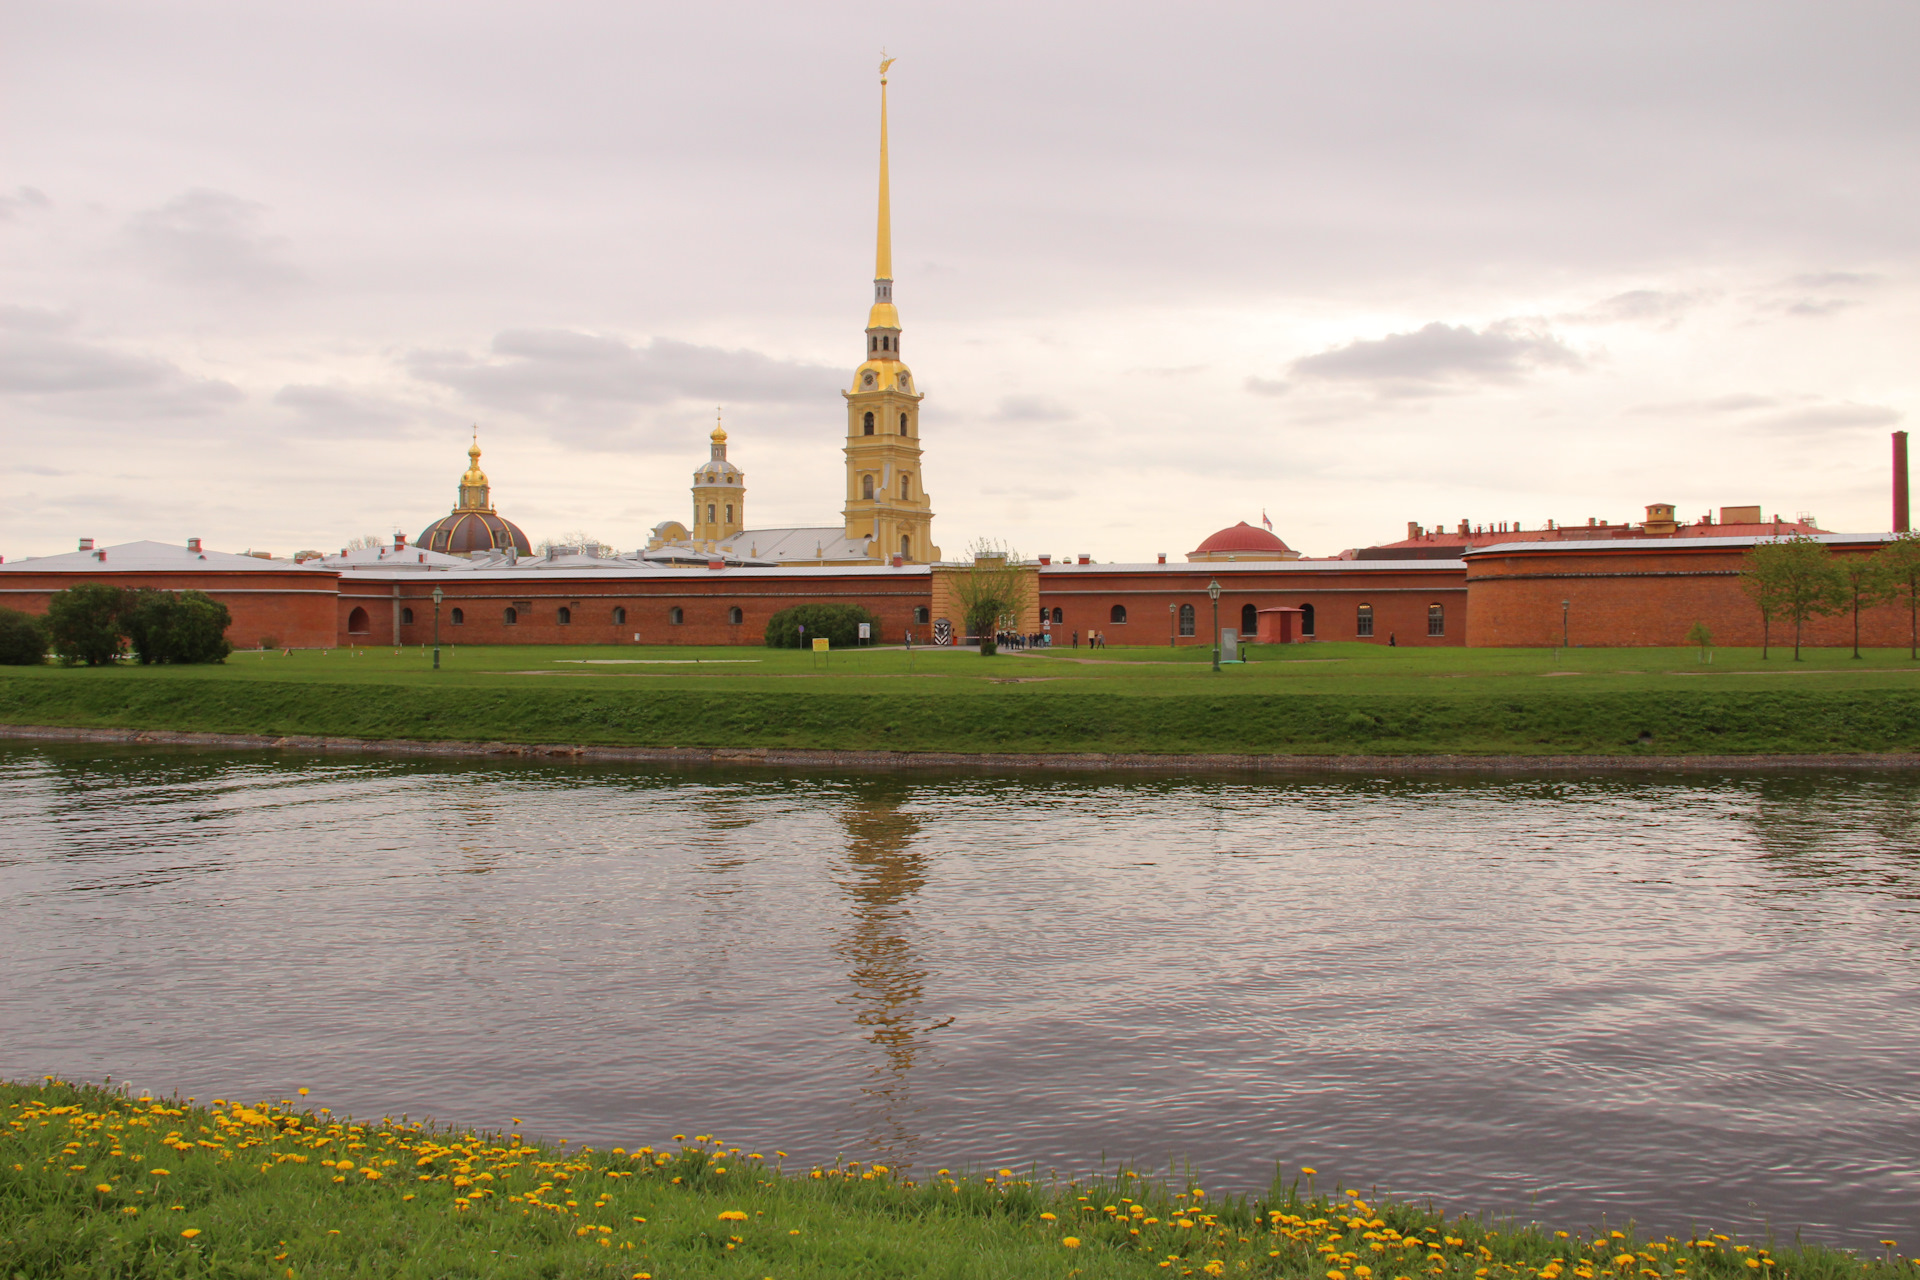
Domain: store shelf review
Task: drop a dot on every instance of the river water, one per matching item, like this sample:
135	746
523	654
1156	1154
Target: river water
1674	999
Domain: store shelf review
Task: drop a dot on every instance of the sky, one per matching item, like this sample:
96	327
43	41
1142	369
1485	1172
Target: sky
1160	268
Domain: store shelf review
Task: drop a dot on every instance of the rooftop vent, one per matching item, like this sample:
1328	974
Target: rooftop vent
1085	558
715	562
193	544
1162	559
86	544
399	542
1046	559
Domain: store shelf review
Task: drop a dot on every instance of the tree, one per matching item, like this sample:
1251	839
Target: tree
1795	579
1699	635
367	542
23	639
83	623
1863	584
1900	563
992	592
837	623
176	626
581	542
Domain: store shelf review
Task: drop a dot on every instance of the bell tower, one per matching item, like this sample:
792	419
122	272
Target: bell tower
887	499
719	494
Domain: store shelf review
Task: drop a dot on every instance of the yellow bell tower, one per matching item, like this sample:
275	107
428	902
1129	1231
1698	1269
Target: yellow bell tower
719	494
886	491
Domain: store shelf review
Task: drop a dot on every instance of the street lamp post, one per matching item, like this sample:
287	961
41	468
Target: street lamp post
438	595
1213	594
1564	606
1173	625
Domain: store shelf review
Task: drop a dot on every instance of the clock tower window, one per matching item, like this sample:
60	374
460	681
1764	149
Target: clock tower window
866	486
903	424
869	423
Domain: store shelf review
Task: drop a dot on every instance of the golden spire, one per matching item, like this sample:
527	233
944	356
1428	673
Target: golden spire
883	316
883	241
719	435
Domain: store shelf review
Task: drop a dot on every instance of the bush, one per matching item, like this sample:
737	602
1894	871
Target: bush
176	626
83	623
839	623
23	639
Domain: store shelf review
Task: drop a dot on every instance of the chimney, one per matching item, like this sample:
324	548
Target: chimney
1900	513
1163	558
1046	559
898	559
399	542
1413	529
193	544
86	544
1085	558
1464	529
715	562
101	555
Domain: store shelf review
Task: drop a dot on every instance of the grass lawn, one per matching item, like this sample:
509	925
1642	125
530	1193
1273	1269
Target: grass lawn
1320	698
94	1182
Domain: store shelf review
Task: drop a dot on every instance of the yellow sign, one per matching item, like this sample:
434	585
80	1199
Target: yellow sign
820	645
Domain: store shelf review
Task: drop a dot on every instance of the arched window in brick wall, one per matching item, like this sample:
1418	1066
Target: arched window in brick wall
406	617
1306	619
1363	621
1186	620
459	617
675	616
735	616
1436	620
619	615
1249	620
511	617
565	616
1117	614
357	622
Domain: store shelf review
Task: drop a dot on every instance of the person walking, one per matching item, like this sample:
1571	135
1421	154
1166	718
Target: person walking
1076	639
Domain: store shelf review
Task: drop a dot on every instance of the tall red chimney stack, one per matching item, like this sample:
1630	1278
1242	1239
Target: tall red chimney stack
1900	514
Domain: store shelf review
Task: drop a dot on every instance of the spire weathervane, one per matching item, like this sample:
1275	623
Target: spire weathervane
883	242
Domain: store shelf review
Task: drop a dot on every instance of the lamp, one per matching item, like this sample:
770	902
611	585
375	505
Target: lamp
1173	622
1213	594
438	595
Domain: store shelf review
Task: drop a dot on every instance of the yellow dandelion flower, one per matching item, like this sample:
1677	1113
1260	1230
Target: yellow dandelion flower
1072	1242
190	1233
1336	1275
102	1187
732	1215
303	1091
1045	1217
1307	1171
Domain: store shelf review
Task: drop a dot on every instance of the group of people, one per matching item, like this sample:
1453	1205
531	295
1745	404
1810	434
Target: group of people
1095	640
1030	640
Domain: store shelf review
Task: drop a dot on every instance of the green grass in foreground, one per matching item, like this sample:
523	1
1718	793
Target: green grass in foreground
94	1182
1311	699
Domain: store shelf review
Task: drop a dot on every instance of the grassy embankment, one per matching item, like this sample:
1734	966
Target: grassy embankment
94	1182
1330	698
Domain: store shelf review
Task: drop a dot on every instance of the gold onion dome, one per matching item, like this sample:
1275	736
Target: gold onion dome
474	525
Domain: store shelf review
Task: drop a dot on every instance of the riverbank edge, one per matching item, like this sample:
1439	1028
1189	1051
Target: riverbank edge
992	761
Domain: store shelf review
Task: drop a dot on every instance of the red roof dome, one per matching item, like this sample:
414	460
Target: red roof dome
1242	539
465	532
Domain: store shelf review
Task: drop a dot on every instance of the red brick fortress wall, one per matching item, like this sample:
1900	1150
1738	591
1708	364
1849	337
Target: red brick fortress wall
1400	593
1647	594
293	609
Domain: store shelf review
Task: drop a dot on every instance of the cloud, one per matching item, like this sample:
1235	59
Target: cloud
1032	409
1816	306
1739	402
1818	419
1439	358
1835	280
548	372
20	200
213	239
340	410
1269	386
1664	307
43	362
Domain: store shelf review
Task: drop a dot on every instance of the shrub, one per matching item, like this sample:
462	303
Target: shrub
176	626
23	639
839	623
83	623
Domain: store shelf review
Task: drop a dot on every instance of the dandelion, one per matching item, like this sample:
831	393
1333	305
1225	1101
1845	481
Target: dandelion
732	1215
1045	1217
303	1091
1072	1242
102	1187
190	1233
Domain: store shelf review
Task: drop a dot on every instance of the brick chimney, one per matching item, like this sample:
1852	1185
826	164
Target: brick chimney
193	544
1085	558
1162	559
86	544
399	542
1046	559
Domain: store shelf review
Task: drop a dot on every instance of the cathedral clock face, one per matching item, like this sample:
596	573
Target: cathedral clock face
903	382
867	381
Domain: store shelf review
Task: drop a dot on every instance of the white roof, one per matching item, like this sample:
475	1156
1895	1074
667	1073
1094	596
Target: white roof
1656	544
1219	567
415	558
151	557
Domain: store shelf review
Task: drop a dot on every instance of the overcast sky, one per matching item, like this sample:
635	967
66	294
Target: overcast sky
1160	267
